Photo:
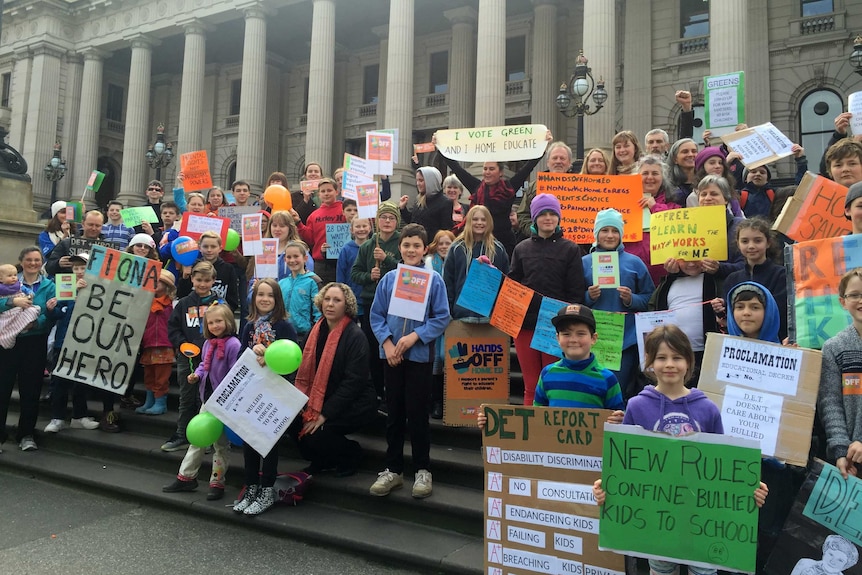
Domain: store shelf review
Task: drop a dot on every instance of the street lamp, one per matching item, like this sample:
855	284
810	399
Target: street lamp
160	153
856	55
54	171
573	100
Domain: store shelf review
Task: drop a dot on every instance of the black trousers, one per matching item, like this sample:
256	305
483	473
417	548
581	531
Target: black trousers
326	448
408	399
23	364
255	473
375	364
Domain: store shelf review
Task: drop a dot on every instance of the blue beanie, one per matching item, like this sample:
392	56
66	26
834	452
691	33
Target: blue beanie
607	218
542	203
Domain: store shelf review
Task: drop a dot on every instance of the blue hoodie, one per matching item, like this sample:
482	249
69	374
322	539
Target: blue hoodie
298	293
693	413
771	319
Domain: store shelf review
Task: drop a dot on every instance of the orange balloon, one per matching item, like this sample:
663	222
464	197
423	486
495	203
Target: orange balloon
278	197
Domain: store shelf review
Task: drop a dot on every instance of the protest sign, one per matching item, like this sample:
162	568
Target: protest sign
494	144
481	283
394	133
193	225
336	236
513	300
822	531
349	182
358	165
136	216
196	171
266	262
251	234
94	182
308	185
606	269
110	315
235	213
367	200
724	102
425	148
256	403
694	494
583	196
79	245
814	269
410	292
647	321
610	327
545	334
688	234
854	106
765	391
759	145
540	514
74	212
66	287
815	211
475	370
379	152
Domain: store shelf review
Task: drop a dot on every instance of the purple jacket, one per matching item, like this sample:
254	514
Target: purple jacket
690	414
219	367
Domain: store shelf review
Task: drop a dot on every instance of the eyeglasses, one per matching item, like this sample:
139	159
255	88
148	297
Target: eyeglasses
154	189
387	218
853	297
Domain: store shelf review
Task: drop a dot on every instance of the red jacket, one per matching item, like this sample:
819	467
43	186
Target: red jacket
313	232
156	332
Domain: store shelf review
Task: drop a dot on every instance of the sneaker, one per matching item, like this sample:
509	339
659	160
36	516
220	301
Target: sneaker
181	485
265	500
55	426
130	402
175	443
422	484
386	482
85	423
437	410
248	497
215	493
28	444
382	409
110	422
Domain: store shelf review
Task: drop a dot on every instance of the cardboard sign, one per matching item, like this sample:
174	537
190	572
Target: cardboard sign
583	196
410	292
79	245
688	234
196	171
66	287
193	225
513	300
724	102
494	144
358	165
759	145
256	403
822	532
336	236
815	211
482	280
693	494
136	216
540	514
476	370
235	213
108	322
765	391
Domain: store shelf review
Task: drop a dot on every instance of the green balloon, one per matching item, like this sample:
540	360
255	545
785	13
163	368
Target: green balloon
283	356
232	241
204	429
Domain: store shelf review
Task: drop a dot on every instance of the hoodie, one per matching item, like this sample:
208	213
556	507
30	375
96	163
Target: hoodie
298	293
654	411
771	319
313	233
436	215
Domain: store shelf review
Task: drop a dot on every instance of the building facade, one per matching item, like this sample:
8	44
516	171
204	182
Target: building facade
266	85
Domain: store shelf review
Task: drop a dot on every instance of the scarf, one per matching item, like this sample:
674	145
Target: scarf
501	191
263	333
216	346
312	380
160	303
10	289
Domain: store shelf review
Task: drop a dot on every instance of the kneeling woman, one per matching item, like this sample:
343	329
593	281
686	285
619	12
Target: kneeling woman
334	376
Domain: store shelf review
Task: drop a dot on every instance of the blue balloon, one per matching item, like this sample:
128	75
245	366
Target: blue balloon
185	250
233	437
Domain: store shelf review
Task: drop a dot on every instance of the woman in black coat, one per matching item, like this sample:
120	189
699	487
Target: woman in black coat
432	210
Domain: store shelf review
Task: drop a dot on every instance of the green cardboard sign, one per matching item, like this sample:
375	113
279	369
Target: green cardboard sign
693	495
95	181
136	216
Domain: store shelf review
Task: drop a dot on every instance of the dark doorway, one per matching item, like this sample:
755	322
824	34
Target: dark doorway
108	189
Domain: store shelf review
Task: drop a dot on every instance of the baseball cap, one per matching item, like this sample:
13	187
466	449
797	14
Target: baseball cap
574	313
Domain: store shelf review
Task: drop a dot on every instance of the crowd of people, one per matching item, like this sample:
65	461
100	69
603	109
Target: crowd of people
358	358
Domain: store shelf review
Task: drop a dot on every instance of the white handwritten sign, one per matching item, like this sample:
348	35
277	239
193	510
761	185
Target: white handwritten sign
498	143
752	415
759	145
724	102
756	364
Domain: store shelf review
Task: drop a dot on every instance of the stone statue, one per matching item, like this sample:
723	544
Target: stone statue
12	164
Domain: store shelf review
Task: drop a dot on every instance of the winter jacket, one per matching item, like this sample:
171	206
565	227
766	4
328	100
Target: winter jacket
346	259
219	368
457	265
43	289
365	262
436	215
314	232
184	324
298	293
156	332
303	208
226	285
839	402
758	200
692	413
771	276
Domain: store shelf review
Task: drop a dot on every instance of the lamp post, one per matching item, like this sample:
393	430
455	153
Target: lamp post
54	171
856	55
573	100
160	153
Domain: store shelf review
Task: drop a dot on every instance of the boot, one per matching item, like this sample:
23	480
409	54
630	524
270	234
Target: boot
151	399
160	407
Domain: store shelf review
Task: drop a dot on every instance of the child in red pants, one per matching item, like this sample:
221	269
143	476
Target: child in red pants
157	356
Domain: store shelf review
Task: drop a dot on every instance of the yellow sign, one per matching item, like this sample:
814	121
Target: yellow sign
689	234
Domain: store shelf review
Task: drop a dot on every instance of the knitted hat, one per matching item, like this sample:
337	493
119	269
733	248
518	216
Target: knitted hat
544	202
167	277
142	239
854	192
606	218
389	208
575	313
746	171
707	153
57	207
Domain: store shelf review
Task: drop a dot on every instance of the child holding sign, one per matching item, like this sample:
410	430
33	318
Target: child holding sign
313	232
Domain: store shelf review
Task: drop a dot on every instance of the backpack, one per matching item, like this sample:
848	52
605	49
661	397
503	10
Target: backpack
289	487
743	197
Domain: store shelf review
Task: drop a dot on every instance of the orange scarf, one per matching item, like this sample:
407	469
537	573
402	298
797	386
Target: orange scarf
160	303
312	379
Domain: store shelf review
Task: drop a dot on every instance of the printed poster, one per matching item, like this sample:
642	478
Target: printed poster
410	293
368	200
266	262
66	287
251	234
606	269
854	106
724	102
379	152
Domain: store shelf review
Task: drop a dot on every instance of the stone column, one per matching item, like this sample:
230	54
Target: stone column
192	93
20	97
399	81
757	85
491	64
135	168
41	131
382	32
728	36
321	85
544	86
252	103
600	49
89	120
462	66
637	73
71	107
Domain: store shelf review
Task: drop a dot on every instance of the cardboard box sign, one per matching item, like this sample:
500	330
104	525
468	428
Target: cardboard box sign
765	391
815	211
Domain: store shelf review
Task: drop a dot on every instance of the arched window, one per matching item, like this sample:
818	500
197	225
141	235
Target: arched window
231	175
816	122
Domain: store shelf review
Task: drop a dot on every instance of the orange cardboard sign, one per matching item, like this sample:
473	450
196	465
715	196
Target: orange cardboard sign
511	307
196	171
815	211
424	148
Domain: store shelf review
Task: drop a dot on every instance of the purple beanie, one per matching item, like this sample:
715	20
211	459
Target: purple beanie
707	153
544	202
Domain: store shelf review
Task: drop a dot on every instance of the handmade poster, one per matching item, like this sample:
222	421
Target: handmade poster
266	262
765	391
194	225
256	403
235	214
815	211
814	269
379	152
494	144
251	234
368	200
308	185
74	212
647	321
688	234
136	216
79	245
759	145
425	148
94	182
196	171
349	182
513	300
540	514
336	236
480	288
475	370
66	287
545	334
110	314
583	196
822	532
608	349
694	495
606	269
854	106
410	292
724	102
